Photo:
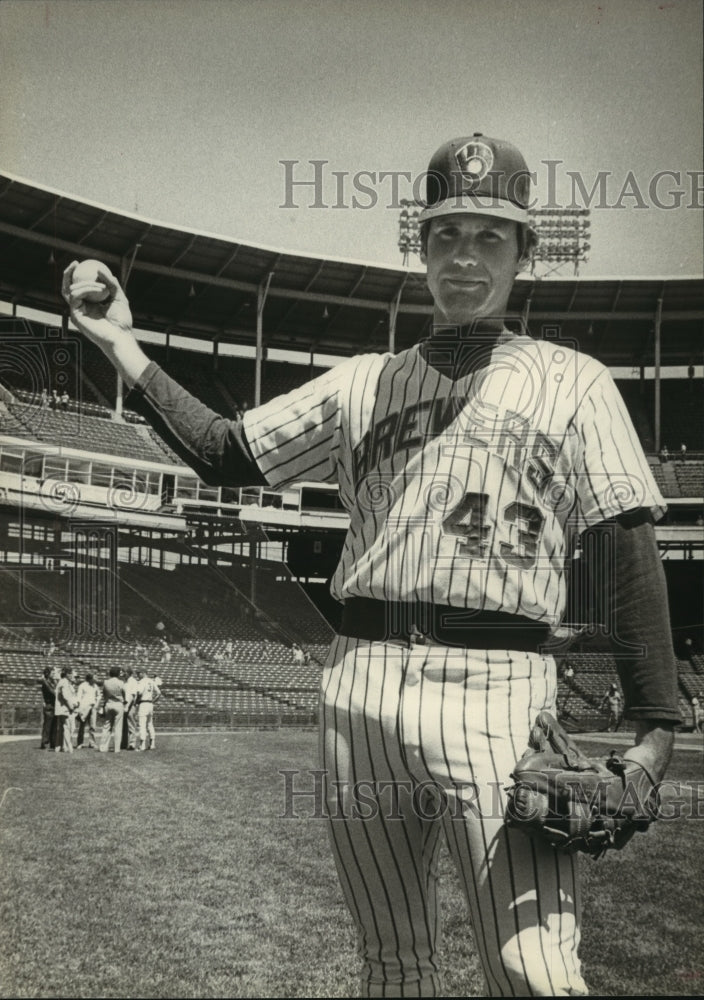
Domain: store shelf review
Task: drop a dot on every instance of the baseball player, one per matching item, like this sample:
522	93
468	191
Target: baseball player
147	694
470	465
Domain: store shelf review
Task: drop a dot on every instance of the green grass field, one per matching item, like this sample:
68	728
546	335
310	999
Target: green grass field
174	874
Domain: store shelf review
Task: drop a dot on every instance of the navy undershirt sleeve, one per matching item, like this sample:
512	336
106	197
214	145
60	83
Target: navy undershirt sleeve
632	583
213	446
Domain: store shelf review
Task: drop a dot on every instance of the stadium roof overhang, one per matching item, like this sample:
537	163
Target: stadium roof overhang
213	288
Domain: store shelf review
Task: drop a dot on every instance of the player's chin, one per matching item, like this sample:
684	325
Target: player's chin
462	309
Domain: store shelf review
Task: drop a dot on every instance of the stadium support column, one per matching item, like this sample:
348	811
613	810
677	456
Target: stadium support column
658	332
261	300
393	314
253	557
118	395
119	388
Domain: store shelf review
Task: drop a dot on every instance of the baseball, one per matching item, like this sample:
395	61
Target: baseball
92	271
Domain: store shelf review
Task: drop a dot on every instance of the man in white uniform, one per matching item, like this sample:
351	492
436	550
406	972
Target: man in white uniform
147	694
468	465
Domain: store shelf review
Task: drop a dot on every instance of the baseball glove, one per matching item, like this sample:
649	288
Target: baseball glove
574	802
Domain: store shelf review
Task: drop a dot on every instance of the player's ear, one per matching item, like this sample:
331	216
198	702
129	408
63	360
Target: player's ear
527	242
423	254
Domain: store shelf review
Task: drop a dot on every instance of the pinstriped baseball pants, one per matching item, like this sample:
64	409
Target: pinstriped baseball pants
417	743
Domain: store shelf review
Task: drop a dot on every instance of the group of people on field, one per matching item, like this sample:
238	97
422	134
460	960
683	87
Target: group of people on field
125	701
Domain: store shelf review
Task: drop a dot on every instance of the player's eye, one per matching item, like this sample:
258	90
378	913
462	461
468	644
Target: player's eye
446	232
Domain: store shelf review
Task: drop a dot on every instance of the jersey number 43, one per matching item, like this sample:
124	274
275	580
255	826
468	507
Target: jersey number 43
468	523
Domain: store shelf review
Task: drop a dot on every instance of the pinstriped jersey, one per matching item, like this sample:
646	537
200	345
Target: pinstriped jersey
462	491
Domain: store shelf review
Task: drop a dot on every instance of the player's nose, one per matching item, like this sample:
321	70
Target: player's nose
466	253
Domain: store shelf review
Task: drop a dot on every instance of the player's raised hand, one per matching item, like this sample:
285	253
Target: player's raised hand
99	307
100	310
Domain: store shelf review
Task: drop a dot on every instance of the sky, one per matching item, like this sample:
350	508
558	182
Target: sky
183	111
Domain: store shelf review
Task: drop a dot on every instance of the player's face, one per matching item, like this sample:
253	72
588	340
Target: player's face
472	263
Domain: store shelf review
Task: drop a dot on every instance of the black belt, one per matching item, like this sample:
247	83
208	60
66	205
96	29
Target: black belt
383	621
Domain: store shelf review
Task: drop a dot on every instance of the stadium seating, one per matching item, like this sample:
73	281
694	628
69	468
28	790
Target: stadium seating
238	670
256	682
72	405
302	619
691	684
697	663
690	478
77	430
665	479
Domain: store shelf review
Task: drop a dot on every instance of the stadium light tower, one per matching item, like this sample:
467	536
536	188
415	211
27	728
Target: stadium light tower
409	229
563	237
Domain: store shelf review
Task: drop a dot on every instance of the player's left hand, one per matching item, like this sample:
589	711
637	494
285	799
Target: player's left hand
577	803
